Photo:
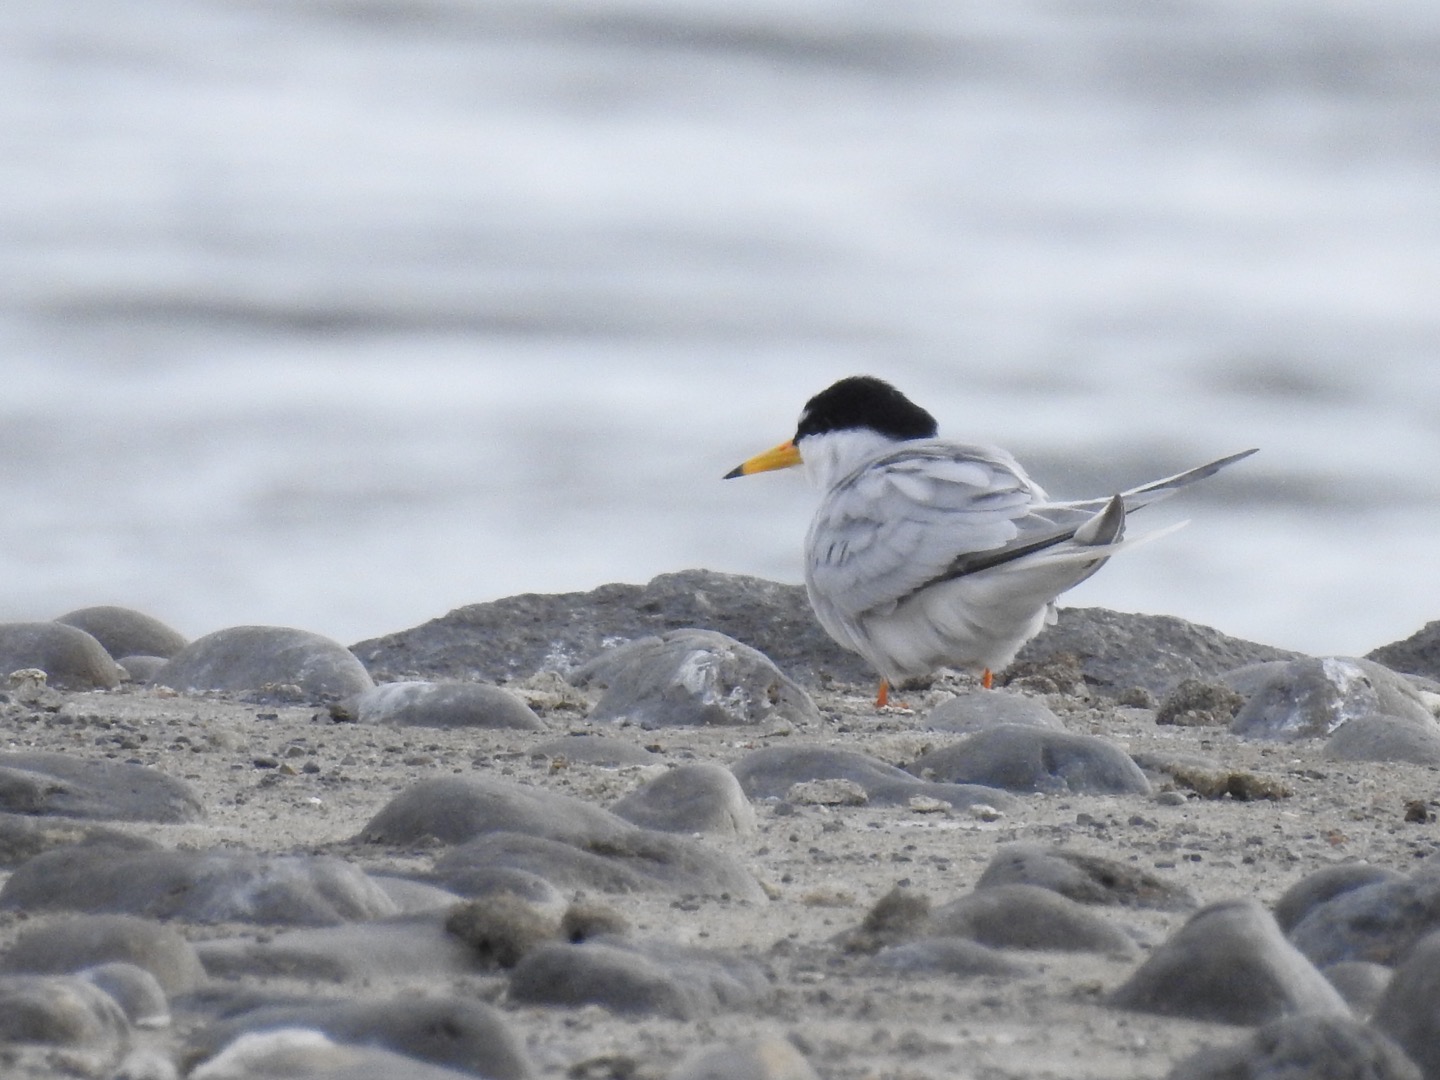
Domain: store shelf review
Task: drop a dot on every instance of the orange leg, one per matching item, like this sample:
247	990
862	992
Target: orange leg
883	697
987	680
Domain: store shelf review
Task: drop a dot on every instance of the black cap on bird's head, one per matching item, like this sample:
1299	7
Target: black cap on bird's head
859	403
863	401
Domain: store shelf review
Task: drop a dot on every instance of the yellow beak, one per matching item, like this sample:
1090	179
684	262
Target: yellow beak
784	456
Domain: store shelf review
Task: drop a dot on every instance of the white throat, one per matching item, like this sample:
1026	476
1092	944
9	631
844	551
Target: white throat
834	455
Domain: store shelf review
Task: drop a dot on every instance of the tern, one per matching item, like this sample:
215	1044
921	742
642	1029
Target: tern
926	553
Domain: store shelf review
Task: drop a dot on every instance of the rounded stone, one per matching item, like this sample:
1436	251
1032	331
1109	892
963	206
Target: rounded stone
125	632
987	708
1229	964
1324	885
60	946
696	798
691	678
1409	1010
601	750
1385	738
1027	917
272	663
444	705
62	1010
42	783
1312	698
70	658
1303	1048
135	990
1087	879
1377	922
1027	759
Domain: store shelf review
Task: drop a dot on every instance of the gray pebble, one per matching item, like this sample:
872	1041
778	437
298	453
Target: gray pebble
141	669
455	809
695	798
638	860
444	705
986	708
198	886
632	978
1027	759
1325	884
62	1010
1087	879
1385	738
70	658
1409	1011
303	1053
351	953
1303	1048
124	632
691	678
71	786
1379	922
1027	917
468	1036
67	944
23	836
768	1057
1361	984
135	990
266	663
771	773
1229	964
1312	698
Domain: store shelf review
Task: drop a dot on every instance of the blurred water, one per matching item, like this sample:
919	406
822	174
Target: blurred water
340	314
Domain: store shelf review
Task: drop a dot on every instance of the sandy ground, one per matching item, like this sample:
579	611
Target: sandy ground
825	866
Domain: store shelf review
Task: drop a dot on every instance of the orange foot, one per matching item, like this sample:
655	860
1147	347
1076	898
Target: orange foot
987	680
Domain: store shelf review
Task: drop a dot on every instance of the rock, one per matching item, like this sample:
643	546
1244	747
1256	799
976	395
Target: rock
124	632
1312	698
1409	1011
266	663
1360	983
303	1054
1086	879
1195	703
987	708
135	990
408	945
141	669
468	1036
1027	759
453	810
768	1057
692	678
23	837
600	750
69	786
697	798
197	886
60	946
502	928
521	635
1385	738
1419	654
637	979
1027	917
70	658
1325	884
771	773
1118	651
1303	1048
1229	964
639	860
61	1010
444	705
1379	922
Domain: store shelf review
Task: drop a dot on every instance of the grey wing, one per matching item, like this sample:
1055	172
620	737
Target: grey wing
904	519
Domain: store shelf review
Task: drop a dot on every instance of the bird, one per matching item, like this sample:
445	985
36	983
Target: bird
926	553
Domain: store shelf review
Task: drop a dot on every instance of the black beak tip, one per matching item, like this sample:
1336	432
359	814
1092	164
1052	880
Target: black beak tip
739	470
